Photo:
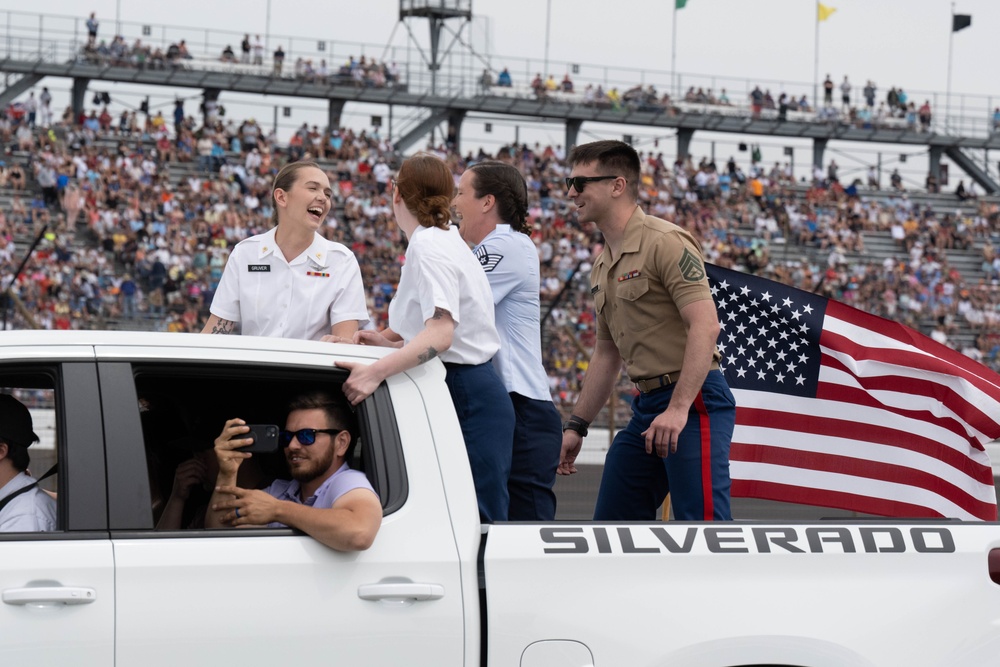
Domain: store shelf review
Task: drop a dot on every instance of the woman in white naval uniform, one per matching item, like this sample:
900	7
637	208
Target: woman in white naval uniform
291	282
444	307
492	203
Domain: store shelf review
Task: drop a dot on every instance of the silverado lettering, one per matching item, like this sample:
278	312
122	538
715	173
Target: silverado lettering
722	539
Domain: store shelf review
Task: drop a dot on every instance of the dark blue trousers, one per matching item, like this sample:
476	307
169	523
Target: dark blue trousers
537	445
635	483
486	416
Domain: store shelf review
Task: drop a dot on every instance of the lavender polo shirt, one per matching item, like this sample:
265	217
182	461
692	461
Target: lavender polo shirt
326	495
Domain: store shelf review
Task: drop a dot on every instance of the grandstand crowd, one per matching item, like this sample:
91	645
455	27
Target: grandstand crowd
136	217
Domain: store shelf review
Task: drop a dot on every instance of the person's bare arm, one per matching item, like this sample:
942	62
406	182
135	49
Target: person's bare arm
602	373
434	339
350	525
345	329
217	325
229	466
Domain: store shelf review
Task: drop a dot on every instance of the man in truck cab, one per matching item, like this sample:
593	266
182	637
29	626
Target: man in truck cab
23	506
325	498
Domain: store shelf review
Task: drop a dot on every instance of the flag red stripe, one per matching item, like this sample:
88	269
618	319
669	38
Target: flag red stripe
847	429
975	372
861	468
919	362
837	499
705	429
851	396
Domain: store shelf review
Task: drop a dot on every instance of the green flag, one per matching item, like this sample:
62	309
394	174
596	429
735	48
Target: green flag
680	4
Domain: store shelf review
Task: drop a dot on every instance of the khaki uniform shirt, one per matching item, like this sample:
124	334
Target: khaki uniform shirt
639	297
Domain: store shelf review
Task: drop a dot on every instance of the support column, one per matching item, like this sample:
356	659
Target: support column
79	99
934	163
333	113
572	134
684	136
819	147
454	138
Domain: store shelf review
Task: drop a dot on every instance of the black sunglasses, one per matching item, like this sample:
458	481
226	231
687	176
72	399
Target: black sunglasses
580	182
305	436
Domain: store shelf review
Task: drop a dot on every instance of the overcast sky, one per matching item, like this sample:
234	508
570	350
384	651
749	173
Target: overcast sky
894	42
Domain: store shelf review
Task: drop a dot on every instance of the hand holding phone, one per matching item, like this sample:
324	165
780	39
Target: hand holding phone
265	438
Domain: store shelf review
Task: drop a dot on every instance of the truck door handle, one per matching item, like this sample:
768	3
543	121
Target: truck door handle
49	594
400	591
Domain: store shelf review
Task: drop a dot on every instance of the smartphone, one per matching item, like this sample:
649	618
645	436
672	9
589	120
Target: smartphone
265	438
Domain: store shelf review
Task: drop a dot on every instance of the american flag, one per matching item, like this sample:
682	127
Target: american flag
840	408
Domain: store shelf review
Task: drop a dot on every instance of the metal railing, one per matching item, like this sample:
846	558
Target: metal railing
57	38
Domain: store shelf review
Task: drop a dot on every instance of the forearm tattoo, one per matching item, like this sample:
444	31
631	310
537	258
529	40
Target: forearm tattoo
427	355
438	313
224	327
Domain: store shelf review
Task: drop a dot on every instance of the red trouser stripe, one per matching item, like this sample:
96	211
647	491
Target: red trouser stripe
705	429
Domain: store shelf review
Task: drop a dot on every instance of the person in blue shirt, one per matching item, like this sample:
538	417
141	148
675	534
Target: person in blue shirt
491	203
23	506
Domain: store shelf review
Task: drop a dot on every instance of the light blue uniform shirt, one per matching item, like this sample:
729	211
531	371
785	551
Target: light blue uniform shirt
510	260
30	512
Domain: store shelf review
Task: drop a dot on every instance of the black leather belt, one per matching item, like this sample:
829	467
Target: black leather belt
659	382
652	384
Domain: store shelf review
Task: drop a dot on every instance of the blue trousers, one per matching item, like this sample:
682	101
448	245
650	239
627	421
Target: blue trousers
696	476
537	445
486	416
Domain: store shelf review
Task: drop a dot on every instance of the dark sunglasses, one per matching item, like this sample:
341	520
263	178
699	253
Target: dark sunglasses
580	182
305	436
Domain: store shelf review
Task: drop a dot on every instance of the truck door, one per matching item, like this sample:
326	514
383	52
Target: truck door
261	596
57	587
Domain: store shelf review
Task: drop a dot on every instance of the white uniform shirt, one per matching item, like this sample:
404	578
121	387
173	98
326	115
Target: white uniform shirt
270	296
441	272
30	512
511	264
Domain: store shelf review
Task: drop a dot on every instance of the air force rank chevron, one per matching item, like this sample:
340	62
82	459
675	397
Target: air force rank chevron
488	261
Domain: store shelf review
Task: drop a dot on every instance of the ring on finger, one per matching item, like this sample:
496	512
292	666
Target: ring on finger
237	512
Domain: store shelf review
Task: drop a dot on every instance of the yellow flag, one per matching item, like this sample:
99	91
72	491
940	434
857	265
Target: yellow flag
824	11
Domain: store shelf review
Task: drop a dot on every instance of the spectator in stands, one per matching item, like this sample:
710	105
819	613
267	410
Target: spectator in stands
228	55
245	50
567	84
92	25
538	86
996	119
503	79
828	91
924	114
278	59
258	50
845	94
486	82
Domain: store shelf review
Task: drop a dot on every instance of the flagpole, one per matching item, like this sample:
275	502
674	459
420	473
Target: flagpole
947	96
816	63
673	54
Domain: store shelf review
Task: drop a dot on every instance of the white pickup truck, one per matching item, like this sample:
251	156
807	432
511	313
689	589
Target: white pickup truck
437	588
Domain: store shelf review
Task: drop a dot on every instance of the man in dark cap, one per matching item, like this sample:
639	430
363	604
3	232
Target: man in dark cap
23	506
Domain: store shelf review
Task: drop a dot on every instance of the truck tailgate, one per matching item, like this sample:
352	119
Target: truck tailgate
861	593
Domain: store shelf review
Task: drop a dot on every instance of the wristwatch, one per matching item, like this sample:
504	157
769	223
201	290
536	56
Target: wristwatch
578	424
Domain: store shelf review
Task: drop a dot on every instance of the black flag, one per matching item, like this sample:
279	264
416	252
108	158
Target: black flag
959	21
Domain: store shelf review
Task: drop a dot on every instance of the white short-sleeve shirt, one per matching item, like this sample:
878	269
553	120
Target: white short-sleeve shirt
510	261
29	512
441	272
270	296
